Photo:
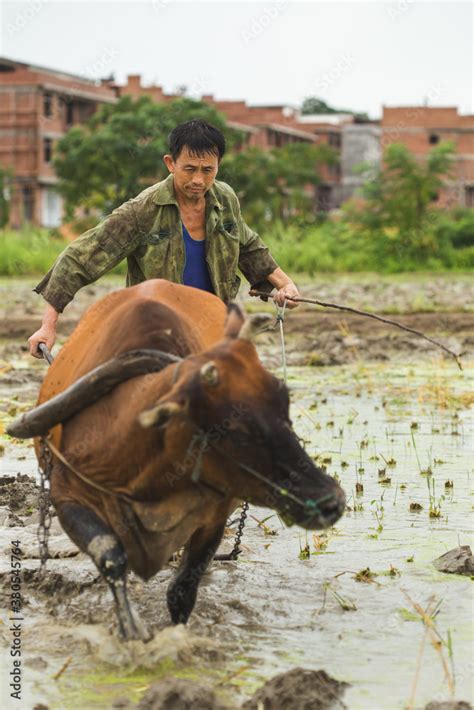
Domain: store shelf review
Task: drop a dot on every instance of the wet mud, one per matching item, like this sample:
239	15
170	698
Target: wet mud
299	688
336	616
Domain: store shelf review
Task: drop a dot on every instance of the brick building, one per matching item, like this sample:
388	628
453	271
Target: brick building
37	107
422	127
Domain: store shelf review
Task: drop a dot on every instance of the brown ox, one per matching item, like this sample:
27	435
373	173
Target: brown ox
165	456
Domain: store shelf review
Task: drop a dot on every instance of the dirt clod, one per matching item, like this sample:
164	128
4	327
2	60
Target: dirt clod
449	705
456	561
19	495
179	694
299	689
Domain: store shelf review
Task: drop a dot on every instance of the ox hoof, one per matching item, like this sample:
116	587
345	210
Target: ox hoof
131	628
135	632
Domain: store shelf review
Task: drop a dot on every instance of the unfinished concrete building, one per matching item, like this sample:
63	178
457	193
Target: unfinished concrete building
37	107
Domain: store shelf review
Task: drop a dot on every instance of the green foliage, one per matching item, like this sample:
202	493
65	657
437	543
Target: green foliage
312	104
456	227
5	181
33	251
398	218
402	191
30	251
276	184
338	246
119	151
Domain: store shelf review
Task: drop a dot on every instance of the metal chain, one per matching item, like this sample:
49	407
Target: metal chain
236	550
45	515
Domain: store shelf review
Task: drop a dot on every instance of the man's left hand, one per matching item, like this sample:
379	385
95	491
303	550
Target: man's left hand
288	290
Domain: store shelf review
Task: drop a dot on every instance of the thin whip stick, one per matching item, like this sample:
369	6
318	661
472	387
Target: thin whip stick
299	299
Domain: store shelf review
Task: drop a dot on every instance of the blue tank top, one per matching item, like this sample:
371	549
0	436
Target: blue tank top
196	272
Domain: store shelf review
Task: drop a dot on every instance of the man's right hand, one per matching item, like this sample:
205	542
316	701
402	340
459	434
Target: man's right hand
46	334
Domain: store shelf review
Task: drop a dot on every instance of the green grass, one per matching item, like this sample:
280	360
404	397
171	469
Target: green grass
29	251
331	247
334	247
32	252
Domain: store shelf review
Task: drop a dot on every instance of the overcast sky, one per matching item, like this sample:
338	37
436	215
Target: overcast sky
357	55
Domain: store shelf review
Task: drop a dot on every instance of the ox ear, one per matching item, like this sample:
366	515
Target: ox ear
159	415
234	321
255	324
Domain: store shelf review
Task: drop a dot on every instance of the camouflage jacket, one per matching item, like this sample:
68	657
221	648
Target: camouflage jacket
147	231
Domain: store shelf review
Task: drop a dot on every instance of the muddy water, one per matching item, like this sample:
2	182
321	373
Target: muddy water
272	610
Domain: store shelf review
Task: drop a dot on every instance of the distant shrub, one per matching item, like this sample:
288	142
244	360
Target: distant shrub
446	243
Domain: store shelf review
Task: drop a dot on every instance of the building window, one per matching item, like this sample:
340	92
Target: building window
323	198
335	140
47	105
51	208
433	139
47	149
469	194
27	194
335	171
69	112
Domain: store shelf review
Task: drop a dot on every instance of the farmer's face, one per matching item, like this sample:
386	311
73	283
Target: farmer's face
192	175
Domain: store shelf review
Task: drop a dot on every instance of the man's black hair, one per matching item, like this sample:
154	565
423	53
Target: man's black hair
199	136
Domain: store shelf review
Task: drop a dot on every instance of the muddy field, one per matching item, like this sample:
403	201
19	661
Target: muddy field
360	607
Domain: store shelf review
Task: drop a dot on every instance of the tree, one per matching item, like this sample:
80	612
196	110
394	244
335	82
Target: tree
312	104
272	184
397	210
119	151
402	190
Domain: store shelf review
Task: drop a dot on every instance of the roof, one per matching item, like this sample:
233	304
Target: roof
289	131
245	127
46	70
331	118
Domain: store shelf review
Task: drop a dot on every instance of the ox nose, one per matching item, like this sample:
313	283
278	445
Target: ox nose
329	507
334	506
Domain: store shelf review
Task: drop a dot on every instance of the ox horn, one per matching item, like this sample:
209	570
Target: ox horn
209	374
159	415
234	321
254	325
88	389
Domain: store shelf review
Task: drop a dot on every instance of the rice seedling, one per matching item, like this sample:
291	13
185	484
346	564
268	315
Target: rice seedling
423	471
344	603
435	504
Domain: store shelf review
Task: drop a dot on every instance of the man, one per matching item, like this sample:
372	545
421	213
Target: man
187	228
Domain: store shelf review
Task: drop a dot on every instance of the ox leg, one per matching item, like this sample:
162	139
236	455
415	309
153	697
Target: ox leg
182	591
91	535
